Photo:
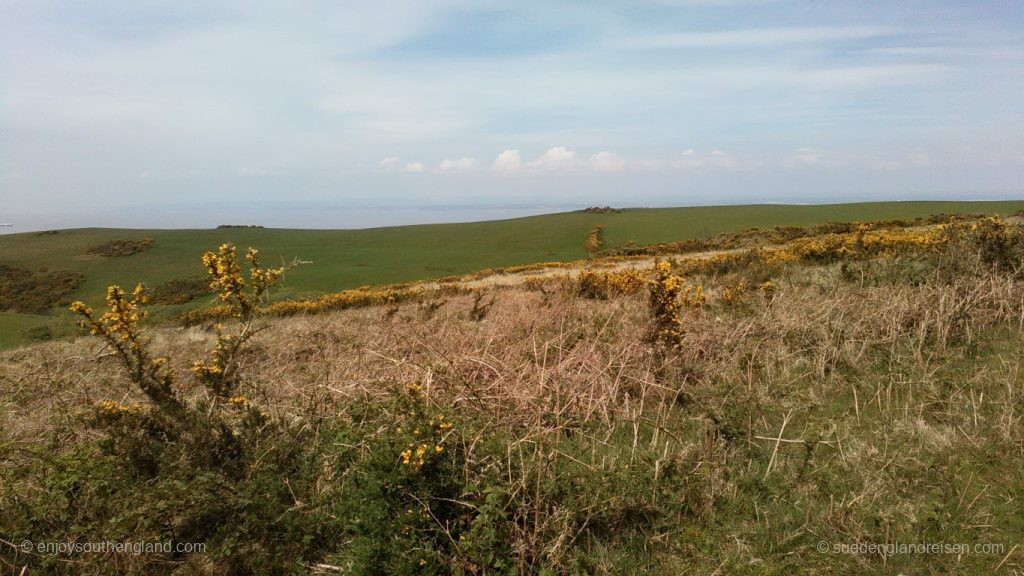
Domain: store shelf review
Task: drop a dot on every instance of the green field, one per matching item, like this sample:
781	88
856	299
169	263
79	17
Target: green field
343	259
13	327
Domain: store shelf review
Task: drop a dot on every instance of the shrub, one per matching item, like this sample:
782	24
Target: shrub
536	283
119	328
198	470
120	248
180	291
206	432
593	242
357	298
604	285
480	308
733	293
665	307
415	504
31	292
1000	246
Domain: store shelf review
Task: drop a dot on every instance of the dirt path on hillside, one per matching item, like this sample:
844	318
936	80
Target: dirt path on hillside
625	263
613	265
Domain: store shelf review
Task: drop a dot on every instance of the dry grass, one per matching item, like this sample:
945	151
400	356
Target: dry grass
826	411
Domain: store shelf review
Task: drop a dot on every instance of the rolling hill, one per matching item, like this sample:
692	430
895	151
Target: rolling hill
341	259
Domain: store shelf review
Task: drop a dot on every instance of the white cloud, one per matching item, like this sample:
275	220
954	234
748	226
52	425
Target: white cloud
257	171
916	158
605	161
885	164
690	159
755	37
557	158
648	164
463	164
806	156
508	162
828	159
919	159
389	163
302	90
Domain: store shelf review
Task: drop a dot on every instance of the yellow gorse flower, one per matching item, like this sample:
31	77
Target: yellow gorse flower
608	284
733	294
111	408
427	432
243	301
666	307
118	326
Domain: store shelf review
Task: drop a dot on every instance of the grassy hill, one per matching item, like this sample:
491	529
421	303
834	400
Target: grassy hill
803	407
350	258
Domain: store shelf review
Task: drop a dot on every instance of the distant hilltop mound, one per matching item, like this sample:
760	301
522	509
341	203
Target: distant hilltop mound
239	226
600	210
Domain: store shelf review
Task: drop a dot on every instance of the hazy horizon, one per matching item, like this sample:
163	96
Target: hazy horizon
327	216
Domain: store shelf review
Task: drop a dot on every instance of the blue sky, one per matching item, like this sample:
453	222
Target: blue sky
201	111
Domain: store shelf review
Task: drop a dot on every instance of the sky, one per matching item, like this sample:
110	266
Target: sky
348	114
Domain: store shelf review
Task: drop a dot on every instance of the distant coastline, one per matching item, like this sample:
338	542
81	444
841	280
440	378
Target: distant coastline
335	216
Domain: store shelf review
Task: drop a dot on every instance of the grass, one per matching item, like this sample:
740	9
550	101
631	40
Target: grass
343	259
14	328
865	402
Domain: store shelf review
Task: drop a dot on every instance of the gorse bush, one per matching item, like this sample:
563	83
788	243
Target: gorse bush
998	246
219	372
119	327
357	298
604	285
593	242
427	511
733	294
25	291
180	291
170	430
666	308
169	439
121	248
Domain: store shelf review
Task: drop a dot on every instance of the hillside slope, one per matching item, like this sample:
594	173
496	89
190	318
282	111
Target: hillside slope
812	407
341	259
